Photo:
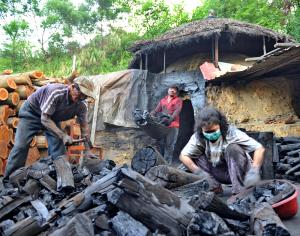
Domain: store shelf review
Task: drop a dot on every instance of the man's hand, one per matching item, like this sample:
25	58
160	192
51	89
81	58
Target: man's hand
252	177
67	140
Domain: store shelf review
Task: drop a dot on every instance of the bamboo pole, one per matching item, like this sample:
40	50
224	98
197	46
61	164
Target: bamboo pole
24	91
12	100
7	83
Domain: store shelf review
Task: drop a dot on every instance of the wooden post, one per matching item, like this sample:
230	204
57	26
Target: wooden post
164	62
95	115
146	66
264	45
141	61
216	51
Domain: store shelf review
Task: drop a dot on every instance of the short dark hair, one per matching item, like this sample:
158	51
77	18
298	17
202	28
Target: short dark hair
175	86
211	116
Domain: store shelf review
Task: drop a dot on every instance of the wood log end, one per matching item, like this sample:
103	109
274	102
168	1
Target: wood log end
7	72
11	83
3	94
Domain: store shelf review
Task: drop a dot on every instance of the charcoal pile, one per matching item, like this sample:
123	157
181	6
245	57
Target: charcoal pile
288	166
53	197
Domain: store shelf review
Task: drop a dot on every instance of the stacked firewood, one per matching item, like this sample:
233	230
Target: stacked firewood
14	90
288	166
54	197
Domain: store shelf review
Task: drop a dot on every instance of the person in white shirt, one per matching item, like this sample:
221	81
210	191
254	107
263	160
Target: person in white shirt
222	151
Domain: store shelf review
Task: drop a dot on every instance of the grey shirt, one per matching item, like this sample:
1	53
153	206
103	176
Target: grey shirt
215	150
54	100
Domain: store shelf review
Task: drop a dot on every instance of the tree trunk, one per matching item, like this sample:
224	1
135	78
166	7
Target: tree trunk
5	112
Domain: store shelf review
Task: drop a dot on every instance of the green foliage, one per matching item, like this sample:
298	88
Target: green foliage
293	27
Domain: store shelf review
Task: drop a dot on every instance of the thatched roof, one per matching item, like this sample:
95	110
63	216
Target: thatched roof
205	29
196	37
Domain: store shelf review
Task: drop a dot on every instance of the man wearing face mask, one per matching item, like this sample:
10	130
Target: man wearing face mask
221	151
170	105
44	110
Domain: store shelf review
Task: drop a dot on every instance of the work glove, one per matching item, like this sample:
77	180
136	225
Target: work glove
67	140
252	177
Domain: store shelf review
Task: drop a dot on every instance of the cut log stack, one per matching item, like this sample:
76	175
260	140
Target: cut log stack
288	166
14	90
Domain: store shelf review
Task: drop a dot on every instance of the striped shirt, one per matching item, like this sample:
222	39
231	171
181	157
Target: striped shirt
214	151
54	100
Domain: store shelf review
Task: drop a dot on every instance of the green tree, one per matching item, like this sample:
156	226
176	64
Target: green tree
17	47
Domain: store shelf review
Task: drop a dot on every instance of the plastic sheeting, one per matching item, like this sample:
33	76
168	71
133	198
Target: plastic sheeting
124	91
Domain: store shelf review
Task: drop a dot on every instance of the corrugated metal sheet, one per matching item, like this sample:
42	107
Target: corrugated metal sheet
285	62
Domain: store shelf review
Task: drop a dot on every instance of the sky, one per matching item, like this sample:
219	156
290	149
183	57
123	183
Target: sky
189	5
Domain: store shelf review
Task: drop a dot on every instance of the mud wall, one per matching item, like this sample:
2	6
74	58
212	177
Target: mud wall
259	105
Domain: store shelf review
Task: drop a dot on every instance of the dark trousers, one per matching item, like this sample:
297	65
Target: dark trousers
231	169
167	144
28	126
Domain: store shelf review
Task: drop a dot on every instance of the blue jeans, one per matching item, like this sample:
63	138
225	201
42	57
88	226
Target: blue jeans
29	125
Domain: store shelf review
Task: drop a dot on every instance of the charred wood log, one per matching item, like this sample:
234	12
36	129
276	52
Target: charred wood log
189	190
64	175
266	222
293	161
155	207
294	152
146	158
281	167
123	224
28	226
289	147
169	177
208	201
292	170
5	210
80	225
208	223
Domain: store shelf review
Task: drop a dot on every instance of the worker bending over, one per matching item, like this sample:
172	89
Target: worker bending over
44	110
221	150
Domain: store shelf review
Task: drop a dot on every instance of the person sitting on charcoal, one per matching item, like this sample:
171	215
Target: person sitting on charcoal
168	110
44	110
220	151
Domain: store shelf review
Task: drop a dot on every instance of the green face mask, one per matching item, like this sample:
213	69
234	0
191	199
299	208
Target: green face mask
212	136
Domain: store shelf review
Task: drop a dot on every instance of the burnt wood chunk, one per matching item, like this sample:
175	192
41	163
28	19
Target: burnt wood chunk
155	207
292	170
266	222
79	225
48	183
13	205
169	177
146	158
123	224
208	223
281	167
294	152
289	147
293	161
208	201
28	226
189	190
64	175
